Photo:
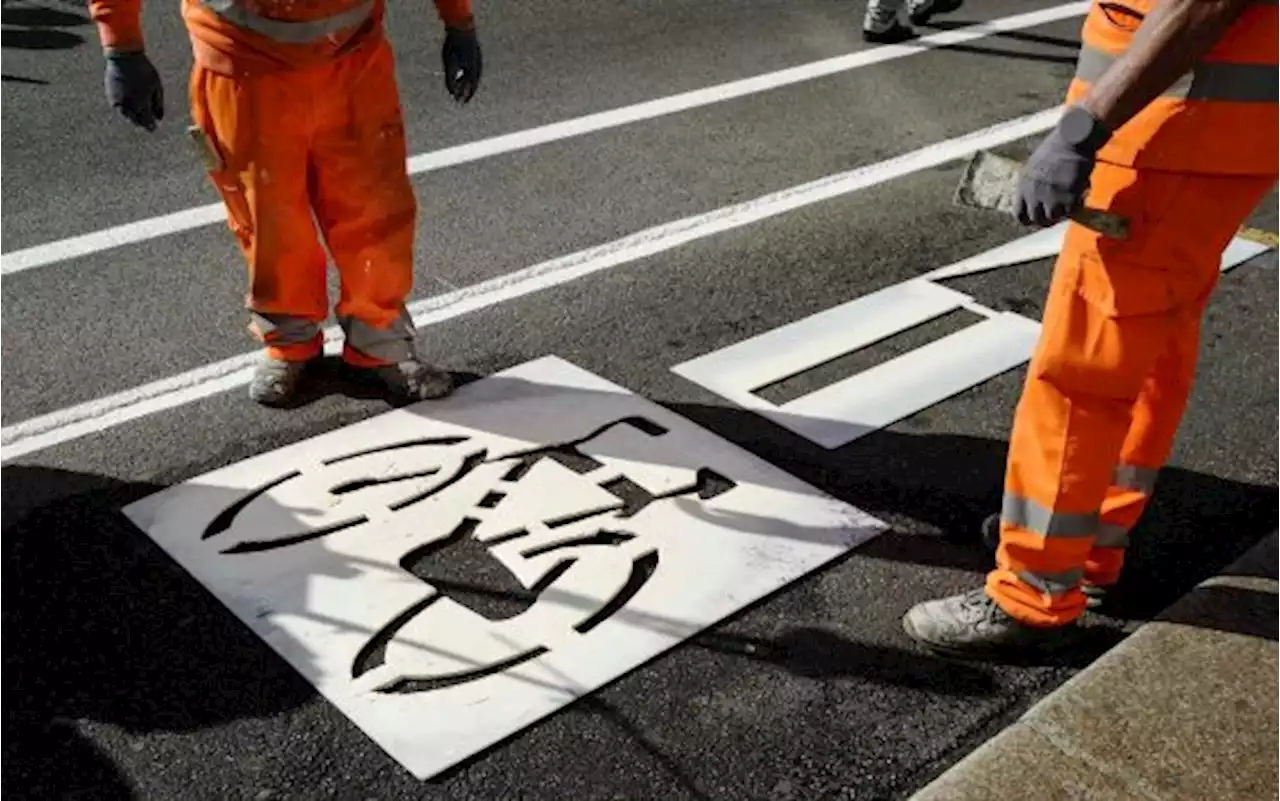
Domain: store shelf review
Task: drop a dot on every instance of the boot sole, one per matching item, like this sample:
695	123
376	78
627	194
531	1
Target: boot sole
1048	647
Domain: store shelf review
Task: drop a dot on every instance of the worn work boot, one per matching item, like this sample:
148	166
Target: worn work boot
972	624
921	11
275	381
880	23
412	381
1095	594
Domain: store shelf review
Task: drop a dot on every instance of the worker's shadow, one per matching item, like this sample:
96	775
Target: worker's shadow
101	627
1070	46
34	28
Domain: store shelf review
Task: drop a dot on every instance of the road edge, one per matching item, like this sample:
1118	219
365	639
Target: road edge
1184	708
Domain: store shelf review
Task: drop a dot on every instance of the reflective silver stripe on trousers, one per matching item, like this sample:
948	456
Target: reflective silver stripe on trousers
1211	80
282	329
1111	536
1026	513
1135	477
288	32
392	344
1053	583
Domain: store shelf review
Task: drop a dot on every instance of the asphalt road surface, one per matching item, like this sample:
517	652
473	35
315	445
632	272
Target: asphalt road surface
124	678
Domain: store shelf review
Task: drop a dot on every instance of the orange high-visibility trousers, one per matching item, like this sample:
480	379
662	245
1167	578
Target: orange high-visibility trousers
327	140
1108	382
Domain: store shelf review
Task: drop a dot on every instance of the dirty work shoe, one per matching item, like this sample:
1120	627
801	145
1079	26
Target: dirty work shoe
921	11
896	33
275	381
972	624
880	23
411	380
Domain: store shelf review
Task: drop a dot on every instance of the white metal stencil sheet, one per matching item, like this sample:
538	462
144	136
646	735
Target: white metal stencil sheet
451	572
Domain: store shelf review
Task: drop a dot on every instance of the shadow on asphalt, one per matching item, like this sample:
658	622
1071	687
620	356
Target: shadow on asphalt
102	627
1237	610
39	29
1236	602
1072	46
1196	525
976	50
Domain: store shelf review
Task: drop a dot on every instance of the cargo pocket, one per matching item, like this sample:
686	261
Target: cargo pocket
207	136
1126	290
1106	325
234	198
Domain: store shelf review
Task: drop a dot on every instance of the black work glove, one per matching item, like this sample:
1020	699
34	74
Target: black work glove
133	86
462	63
1054	180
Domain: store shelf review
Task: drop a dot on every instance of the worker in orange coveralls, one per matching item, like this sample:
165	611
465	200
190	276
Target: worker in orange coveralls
1172	122
296	110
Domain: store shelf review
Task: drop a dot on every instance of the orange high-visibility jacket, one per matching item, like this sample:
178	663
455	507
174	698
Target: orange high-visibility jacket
239	37
1231	92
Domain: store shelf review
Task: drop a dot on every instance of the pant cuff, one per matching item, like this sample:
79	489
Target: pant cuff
296	351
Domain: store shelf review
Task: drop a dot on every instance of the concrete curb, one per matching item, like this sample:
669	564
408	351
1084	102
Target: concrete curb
1184	708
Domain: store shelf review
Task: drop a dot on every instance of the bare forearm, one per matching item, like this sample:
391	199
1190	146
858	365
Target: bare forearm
1172	38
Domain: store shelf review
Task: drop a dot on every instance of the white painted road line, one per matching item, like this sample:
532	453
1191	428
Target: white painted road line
880	396
74	422
198	217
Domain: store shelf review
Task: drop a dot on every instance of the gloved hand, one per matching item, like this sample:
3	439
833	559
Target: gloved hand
462	63
134	87
1054	180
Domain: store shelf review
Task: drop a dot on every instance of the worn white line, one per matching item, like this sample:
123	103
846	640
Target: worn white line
188	219
68	424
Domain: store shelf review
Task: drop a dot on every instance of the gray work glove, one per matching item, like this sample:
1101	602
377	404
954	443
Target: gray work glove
1054	180
462	63
133	86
